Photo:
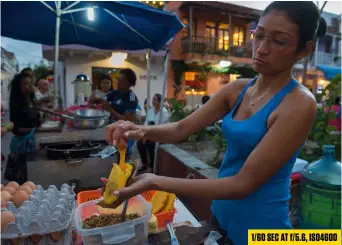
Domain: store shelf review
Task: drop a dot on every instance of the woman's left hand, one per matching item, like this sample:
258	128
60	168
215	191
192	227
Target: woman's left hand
136	186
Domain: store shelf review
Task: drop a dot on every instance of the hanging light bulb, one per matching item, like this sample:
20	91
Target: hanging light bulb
91	14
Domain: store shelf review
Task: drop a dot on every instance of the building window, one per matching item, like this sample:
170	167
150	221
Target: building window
223	36
186	30
210	29
189	76
238	36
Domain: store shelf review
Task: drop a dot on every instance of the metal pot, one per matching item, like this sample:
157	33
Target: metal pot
88	114
81	123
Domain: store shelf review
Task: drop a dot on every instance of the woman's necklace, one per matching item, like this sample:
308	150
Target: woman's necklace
251	102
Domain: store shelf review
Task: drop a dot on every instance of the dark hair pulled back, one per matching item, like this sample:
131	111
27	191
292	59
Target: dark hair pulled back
306	15
158	97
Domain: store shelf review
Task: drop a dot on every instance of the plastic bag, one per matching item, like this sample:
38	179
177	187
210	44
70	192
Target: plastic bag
107	152
212	239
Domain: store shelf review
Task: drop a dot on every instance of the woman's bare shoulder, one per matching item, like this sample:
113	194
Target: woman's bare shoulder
302	97
233	89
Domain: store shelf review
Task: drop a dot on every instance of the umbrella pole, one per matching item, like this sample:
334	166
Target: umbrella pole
166	69
148	81
58	25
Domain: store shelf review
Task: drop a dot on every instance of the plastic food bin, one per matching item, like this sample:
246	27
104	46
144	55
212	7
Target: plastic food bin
132	232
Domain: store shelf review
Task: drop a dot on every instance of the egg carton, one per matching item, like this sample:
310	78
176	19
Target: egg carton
45	212
66	239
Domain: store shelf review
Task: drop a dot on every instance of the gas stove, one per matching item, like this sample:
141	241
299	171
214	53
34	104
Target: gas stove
70	162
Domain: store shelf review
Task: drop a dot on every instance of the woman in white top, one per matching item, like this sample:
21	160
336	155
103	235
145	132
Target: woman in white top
146	147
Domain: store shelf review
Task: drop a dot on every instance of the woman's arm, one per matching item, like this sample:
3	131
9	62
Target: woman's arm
286	134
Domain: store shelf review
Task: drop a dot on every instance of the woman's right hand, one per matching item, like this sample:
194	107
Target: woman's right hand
125	129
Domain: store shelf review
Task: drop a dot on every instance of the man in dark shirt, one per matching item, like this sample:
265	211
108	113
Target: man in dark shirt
122	102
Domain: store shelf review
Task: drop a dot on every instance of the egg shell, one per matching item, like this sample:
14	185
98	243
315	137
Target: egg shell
13	184
6	196
3	203
56	236
19	198
36	238
11	190
31	185
26	188
6	218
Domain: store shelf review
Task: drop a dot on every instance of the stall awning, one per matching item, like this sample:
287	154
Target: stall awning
111	25
329	71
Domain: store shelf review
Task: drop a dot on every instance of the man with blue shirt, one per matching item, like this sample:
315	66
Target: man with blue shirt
122	102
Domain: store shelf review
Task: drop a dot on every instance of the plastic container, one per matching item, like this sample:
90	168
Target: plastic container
163	218
321	193
45	212
132	232
86	196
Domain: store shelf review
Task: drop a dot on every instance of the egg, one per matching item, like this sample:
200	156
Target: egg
3	203
13	184
6	196
11	190
31	185
6	218
56	236
19	198
26	188
16	241
36	238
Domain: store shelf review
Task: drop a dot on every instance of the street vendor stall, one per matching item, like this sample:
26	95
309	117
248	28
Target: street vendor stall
110	25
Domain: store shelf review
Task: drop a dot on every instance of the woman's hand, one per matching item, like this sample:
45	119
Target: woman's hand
136	186
125	129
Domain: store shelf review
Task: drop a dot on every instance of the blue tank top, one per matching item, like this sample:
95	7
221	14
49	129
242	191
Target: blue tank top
266	208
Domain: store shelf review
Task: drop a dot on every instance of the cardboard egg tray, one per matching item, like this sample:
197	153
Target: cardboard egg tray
66	239
45	212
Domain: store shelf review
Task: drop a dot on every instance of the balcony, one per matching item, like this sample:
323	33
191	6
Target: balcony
214	46
327	59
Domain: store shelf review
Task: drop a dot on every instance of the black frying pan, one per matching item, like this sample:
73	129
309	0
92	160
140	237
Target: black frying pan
71	150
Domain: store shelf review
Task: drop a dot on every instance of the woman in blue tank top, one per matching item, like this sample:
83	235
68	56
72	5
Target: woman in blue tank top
265	122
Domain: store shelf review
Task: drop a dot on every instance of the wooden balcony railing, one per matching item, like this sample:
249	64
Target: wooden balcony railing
214	46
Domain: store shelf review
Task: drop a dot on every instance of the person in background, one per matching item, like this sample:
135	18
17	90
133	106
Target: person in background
146	106
266	122
26	119
122	102
166	103
30	72
38	95
43	89
23	112
105	85
146	147
5	127
205	99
